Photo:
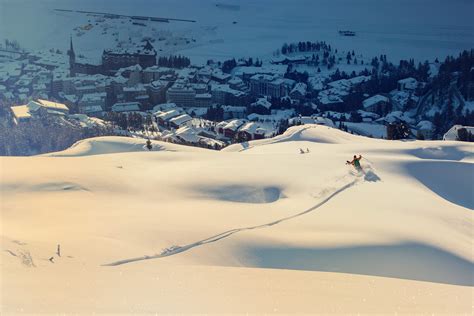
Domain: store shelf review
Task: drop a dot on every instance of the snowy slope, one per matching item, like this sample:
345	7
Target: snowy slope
110	145
260	230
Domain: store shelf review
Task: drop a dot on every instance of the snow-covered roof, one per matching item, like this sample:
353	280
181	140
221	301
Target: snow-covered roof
168	114
425	125
225	88
397	116
258	128
126	107
373	100
181	119
262	102
92	109
234	124
50	105
408	83
165	107
21	111
94	97
452	134
300	88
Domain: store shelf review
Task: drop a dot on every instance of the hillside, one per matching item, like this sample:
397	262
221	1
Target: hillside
256	228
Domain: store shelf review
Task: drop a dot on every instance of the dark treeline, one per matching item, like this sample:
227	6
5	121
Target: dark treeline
174	62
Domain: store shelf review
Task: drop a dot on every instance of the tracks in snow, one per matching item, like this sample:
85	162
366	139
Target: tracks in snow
176	250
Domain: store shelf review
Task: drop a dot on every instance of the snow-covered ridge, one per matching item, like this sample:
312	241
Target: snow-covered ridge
115	144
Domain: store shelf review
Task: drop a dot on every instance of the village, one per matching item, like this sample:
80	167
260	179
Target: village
216	104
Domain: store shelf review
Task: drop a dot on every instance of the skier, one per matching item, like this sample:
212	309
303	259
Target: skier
356	162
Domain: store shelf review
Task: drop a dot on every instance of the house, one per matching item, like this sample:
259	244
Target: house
220	76
21	114
262	102
92	100
92	110
231	128
407	84
299	91
36	109
455	133
377	103
425	128
126	107
162	118
50	106
255	130
181	120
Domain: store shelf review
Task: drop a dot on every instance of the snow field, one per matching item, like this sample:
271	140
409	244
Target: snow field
278	229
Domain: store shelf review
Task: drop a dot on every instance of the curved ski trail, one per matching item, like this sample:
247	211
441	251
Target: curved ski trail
178	249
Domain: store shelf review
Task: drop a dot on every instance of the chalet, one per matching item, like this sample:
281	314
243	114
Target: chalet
220	76
425	128
162	118
231	128
262	102
407	84
377	103
181	120
299	91
254	130
36	109
219	128
453	133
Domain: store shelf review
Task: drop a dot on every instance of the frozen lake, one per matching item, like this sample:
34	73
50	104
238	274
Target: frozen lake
420	29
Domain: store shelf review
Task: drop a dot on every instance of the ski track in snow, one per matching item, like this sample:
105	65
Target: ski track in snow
174	250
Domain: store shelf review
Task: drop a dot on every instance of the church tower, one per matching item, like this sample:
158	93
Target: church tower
72	60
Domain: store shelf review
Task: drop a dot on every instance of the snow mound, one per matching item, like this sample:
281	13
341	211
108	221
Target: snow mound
441	153
114	144
456	185
244	194
44	187
411	261
310	133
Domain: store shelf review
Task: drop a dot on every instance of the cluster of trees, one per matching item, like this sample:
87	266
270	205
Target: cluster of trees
449	116
174	62
457	70
307	46
465	136
399	130
42	136
129	121
215	113
228	65
12	45
296	75
455	78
